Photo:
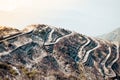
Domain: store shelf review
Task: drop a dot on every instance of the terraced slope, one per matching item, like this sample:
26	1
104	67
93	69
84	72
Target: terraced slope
42	52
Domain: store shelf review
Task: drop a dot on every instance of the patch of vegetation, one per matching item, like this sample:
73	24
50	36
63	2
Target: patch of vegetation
8	68
29	74
74	78
82	75
13	72
6	79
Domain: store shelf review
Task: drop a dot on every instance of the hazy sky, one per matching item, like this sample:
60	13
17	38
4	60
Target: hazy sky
90	17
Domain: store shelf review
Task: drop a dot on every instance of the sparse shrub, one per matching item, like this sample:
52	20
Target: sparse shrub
29	74
32	74
13	72
4	66
5	79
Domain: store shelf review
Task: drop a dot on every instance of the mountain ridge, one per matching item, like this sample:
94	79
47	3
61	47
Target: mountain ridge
112	36
42	52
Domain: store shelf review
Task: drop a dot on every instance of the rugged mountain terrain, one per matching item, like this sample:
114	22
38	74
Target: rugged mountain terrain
42	52
112	36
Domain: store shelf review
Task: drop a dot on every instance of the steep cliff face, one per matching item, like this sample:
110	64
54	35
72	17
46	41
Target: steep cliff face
41	52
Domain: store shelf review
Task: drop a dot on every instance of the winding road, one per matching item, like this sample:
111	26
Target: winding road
88	52
50	36
112	73
80	53
48	43
15	35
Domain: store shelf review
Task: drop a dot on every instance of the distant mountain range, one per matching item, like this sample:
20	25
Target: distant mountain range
43	52
112	36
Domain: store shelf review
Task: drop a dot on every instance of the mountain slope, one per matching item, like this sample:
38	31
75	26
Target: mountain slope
112	36
42	52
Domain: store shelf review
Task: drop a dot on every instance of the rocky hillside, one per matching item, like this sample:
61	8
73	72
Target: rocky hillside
112	36
42	52
7	31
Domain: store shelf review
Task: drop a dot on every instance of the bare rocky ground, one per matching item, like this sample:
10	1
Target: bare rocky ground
42	52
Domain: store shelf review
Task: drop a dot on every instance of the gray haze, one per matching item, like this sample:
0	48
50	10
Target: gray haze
90	17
